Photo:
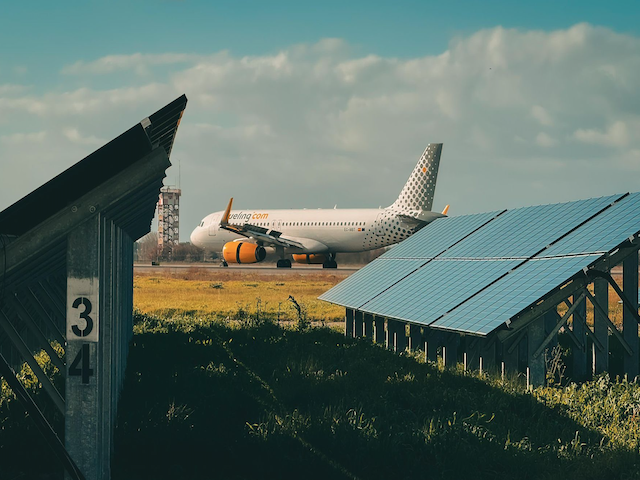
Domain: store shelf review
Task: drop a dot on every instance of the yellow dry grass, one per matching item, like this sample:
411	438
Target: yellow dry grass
232	293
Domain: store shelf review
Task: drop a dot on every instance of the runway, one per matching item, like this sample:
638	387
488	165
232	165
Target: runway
345	271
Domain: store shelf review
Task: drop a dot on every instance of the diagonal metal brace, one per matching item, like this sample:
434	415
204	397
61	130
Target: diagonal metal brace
39	419
558	326
577	341
623	297
17	341
613	328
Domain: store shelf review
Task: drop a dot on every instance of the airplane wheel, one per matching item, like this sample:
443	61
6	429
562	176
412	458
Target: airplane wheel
224	264
284	263
330	264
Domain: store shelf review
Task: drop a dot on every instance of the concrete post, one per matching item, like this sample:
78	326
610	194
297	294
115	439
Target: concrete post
535	335
579	352
368	326
86	415
629	323
379	330
348	323
600	326
358	324
415	337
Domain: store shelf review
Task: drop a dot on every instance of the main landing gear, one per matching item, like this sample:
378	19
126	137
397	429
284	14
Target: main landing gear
224	263
283	262
330	262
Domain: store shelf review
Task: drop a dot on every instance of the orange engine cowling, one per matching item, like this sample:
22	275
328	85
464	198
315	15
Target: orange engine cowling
243	252
309	258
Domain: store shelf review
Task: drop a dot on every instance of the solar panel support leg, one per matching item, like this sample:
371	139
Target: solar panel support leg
535	336
472	351
579	349
348	323
629	322
601	326
368	326
401	337
358	324
487	350
450	350
415	337
431	343
379	330
390	338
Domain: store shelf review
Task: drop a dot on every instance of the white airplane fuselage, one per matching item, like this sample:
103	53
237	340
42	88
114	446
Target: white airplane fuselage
323	232
318	230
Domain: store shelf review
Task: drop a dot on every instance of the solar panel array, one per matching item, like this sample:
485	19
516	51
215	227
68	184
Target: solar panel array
475	272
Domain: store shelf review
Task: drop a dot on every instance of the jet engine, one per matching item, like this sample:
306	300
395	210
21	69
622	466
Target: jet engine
309	258
243	252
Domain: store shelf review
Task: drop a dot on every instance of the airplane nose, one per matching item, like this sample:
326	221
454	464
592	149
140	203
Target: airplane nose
194	237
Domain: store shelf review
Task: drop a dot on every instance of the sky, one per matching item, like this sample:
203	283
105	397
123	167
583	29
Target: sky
316	104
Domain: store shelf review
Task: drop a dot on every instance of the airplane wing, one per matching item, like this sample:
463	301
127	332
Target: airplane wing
264	235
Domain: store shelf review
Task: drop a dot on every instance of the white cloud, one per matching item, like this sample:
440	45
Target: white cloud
137	62
617	135
315	125
545	140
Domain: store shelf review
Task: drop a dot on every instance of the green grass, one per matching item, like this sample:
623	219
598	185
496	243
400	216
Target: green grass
249	399
222	400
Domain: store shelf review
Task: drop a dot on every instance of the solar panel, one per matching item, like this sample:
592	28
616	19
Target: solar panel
524	231
507	297
369	281
604	232
438	236
435	288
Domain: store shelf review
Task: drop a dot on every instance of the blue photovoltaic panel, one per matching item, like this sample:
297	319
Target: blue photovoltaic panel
369	281
511	294
524	231
436	288
438	236
603	233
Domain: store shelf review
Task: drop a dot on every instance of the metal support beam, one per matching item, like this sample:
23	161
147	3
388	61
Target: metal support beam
86	415
556	328
401	337
599	309
368	326
40	420
379	330
415	337
629	322
535	336
600	324
358	324
450	350
348	323
579	331
27	356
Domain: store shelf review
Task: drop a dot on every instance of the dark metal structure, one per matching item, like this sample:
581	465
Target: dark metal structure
494	289
66	284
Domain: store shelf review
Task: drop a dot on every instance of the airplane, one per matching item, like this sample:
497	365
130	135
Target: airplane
315	236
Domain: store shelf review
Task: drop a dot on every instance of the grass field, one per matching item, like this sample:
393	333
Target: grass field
231	294
216	390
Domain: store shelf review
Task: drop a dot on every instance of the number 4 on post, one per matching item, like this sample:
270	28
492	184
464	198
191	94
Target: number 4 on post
84	370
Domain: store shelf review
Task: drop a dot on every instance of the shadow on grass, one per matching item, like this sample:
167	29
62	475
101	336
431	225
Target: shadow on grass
213	401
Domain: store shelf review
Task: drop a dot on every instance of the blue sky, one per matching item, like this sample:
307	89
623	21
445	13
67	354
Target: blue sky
331	102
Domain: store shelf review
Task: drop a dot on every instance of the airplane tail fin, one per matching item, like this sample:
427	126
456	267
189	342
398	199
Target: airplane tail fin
419	190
